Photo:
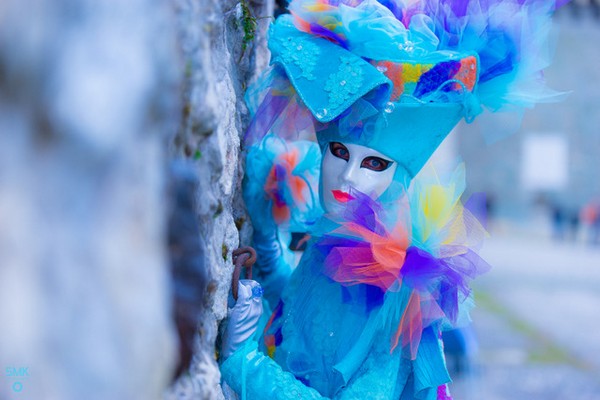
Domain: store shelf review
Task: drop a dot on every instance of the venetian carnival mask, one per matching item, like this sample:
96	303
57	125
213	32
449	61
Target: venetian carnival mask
348	166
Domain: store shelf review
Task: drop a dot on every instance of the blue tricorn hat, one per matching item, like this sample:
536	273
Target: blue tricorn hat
403	108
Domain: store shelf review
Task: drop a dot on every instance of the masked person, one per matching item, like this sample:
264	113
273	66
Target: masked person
379	85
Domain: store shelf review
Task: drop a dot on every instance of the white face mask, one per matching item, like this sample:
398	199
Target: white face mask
346	166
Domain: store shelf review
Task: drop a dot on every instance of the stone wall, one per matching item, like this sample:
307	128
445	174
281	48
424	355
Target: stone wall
97	101
220	58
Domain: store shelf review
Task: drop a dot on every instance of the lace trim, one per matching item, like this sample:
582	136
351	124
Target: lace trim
302	53
345	83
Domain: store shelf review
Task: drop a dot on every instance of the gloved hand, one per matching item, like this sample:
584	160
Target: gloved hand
243	317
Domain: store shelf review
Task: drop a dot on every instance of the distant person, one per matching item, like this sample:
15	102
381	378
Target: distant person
558	221
573	225
590	215
460	346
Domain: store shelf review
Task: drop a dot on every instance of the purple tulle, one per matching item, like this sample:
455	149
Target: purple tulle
460	9
327	34
358	249
477	204
395	6
500	37
442	393
446	279
365	211
278	192
266	115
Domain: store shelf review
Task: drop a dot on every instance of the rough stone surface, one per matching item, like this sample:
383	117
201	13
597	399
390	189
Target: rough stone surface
217	70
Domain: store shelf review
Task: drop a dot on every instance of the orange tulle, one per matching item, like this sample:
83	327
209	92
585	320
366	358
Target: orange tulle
298	188
301	24
281	213
410	327
283	187
378	265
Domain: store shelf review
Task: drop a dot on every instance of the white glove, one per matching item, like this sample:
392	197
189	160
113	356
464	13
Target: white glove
243	317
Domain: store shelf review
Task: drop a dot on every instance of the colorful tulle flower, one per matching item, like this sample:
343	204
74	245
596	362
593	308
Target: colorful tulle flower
281	183
361	250
430	249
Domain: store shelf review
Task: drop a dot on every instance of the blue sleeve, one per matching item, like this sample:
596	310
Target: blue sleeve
253	375
280	190
272	267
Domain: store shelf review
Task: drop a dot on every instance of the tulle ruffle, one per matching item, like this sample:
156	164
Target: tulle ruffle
510	37
427	241
360	249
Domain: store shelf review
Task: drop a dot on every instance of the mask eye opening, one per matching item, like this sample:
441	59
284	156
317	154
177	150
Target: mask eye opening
338	150
376	163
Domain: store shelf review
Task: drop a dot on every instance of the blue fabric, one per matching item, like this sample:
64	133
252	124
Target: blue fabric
334	348
249	371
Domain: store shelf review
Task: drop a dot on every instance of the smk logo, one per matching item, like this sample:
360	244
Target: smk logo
17	374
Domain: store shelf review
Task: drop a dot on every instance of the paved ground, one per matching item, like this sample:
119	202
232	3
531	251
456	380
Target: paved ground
537	323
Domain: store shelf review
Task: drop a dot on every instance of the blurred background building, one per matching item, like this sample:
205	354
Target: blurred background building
544	176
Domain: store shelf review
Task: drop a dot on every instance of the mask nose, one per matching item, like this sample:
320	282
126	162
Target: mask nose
348	175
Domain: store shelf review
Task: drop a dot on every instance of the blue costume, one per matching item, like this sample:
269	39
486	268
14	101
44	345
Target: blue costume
361	315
